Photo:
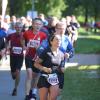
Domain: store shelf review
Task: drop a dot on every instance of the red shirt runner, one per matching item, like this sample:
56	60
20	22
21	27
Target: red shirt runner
33	41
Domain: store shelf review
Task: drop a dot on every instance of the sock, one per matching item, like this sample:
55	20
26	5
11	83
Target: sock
28	87
34	91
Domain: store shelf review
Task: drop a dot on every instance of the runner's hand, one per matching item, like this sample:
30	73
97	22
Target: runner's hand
66	55
47	70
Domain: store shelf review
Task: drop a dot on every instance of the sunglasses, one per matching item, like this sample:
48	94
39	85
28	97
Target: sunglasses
18	27
59	28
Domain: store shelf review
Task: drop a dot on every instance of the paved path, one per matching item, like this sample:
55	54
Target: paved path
6	83
6	86
84	59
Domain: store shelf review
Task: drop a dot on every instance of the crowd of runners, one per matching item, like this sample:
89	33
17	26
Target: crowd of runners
45	43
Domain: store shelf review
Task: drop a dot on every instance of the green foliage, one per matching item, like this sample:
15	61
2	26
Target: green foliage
85	8
50	7
72	6
19	7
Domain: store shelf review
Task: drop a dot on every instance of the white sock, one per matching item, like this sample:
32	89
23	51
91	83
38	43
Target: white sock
34	91
28	86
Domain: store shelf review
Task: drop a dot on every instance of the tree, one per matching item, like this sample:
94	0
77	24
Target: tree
19	7
71	7
86	8
50	7
95	9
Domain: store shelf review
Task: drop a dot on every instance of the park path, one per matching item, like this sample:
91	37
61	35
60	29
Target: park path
84	59
6	83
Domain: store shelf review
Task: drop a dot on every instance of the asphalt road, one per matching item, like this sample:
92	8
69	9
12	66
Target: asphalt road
6	83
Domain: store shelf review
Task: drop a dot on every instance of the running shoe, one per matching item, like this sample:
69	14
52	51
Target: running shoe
14	93
33	97
27	97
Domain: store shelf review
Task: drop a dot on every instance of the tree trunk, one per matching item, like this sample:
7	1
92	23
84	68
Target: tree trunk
86	16
11	6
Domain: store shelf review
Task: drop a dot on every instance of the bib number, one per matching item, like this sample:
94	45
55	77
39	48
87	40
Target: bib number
17	50
53	79
33	43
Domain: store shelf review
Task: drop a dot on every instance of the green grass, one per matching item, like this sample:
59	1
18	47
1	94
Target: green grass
78	84
89	44
83	31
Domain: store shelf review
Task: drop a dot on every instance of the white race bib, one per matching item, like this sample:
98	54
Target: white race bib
33	43
17	50
53	79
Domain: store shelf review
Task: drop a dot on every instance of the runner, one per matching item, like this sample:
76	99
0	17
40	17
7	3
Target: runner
33	39
50	62
16	44
3	35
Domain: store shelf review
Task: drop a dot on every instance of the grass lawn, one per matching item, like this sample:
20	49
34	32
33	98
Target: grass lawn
82	83
83	31
89	44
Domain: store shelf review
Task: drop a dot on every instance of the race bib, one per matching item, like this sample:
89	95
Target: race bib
53	79
33	43
17	50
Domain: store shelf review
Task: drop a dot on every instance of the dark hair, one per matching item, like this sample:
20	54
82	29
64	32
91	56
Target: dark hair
51	39
37	19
